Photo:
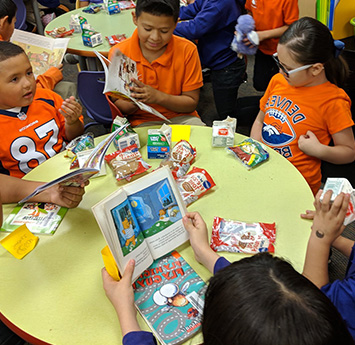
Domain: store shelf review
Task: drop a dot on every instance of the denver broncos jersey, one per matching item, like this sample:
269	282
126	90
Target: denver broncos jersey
32	135
291	111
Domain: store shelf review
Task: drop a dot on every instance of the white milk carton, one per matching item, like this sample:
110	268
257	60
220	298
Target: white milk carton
341	185
223	132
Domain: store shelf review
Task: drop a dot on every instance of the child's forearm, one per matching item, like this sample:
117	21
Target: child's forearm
126	107
344	245
127	317
184	103
272	33
73	130
255	132
339	154
316	263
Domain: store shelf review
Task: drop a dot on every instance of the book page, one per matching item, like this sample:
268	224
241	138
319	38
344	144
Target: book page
43	52
118	79
158	207
122	232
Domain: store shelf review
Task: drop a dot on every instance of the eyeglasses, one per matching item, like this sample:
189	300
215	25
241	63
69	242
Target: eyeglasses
283	68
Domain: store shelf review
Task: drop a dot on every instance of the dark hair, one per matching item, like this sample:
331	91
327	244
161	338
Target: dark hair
8	8
9	50
169	8
262	300
310	42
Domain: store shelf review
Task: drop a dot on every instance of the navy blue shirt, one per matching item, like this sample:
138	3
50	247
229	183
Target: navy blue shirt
342	294
212	23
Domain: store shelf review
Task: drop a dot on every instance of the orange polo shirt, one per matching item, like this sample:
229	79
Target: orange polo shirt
272	14
177	70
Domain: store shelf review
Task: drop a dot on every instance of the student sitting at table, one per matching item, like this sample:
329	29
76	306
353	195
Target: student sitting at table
84	3
260	300
34	123
304	107
169	66
326	232
52	78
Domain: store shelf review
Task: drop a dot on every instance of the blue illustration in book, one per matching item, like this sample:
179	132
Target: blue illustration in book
170	296
145	214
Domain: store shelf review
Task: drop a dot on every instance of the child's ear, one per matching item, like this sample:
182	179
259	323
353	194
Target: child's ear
134	18
2	21
317	68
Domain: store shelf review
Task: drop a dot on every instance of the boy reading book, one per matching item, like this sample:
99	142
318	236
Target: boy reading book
35	123
259	300
169	66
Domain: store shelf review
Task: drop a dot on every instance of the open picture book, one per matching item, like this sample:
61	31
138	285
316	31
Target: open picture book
43	52
91	167
143	220
118	79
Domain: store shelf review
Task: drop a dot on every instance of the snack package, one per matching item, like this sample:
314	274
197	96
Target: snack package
126	163
341	185
239	237
223	132
114	39
180	159
249	152
60	32
92	8
194	184
125	5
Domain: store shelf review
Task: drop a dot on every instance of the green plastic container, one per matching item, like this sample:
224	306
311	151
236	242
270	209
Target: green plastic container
352	22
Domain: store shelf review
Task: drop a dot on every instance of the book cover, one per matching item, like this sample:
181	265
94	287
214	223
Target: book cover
118	79
39	217
43	52
143	220
170	297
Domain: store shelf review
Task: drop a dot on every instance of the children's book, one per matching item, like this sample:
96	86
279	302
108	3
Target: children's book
170	297
43	52
118	79
40	218
143	220
91	167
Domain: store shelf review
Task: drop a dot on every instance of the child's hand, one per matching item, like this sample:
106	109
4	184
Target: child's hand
66	196
308	215
329	217
144	93
196	227
309	144
71	110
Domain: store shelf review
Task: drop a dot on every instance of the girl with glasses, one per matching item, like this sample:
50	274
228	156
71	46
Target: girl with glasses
304	107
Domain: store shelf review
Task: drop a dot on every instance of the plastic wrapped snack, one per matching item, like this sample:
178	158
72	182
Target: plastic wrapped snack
180	158
239	237
126	163
249	152
80	143
194	184
60	32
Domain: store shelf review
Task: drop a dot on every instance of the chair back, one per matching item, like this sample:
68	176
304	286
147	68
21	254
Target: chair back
20	15
90	87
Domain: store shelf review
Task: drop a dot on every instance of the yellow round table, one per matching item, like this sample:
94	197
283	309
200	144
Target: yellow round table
55	293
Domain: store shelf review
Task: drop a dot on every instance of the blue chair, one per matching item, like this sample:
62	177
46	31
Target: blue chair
20	15
90	87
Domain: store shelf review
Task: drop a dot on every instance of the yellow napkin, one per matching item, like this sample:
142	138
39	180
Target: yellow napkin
180	132
20	242
110	263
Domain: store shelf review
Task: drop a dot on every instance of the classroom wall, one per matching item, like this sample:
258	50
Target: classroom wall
342	15
308	8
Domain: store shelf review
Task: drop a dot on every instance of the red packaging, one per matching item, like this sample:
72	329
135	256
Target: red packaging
239	237
194	184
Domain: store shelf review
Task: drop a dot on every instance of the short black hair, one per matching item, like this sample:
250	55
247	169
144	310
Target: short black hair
8	8
170	8
9	50
262	300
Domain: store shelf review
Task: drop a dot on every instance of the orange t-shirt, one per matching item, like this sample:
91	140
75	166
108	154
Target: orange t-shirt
291	111
272	14
177	70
